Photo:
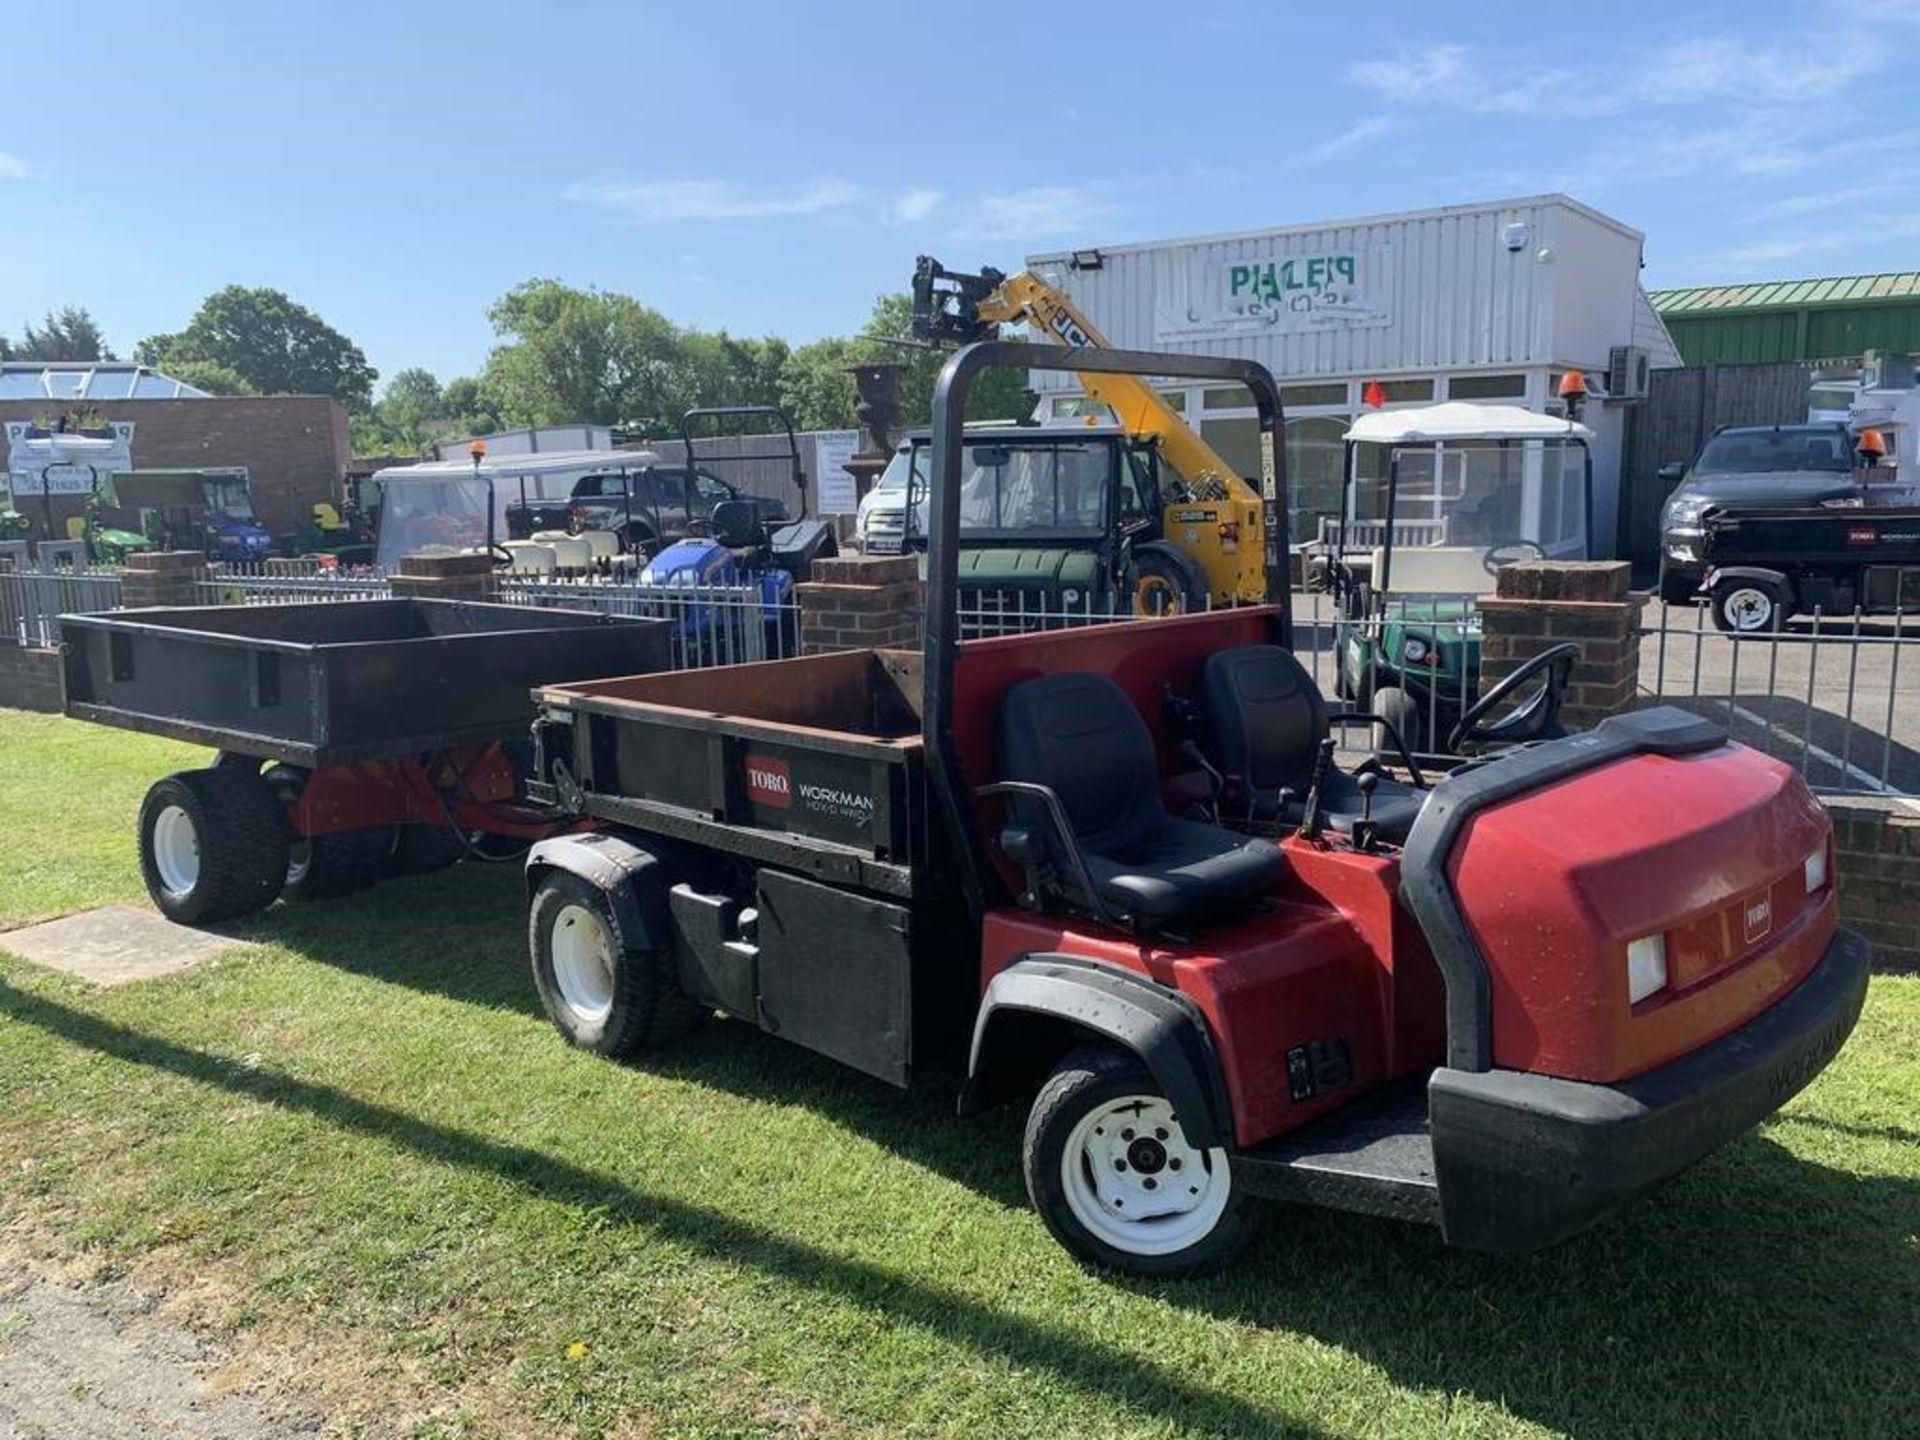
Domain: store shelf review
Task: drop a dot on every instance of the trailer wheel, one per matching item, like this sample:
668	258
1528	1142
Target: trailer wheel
213	845
603	990
423	849
1748	607
1113	1177
325	867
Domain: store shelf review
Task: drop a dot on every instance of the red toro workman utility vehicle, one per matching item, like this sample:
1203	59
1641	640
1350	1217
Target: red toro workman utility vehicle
1121	862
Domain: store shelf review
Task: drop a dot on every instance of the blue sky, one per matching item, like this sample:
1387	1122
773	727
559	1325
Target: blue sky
771	167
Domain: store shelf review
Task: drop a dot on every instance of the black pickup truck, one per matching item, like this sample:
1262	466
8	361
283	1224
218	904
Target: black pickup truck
648	507
1765	566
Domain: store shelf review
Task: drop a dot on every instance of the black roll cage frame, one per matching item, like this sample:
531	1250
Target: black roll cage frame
941	632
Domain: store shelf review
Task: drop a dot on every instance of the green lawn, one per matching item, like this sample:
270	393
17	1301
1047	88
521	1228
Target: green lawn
361	1134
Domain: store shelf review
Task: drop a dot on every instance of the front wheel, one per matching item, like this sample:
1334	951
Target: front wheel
1160	585
213	845
1400	710
1111	1172
1748	607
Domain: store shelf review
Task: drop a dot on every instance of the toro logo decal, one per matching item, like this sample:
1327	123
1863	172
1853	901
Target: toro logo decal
1759	917
1862	535
769	782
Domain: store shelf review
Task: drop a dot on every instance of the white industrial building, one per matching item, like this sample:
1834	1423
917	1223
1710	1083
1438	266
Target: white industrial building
1472	302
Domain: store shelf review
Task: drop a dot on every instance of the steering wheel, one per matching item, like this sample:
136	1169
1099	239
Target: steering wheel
1511	552
1537	717
502	557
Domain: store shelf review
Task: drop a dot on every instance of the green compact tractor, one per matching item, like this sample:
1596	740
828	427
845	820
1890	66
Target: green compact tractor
1435	500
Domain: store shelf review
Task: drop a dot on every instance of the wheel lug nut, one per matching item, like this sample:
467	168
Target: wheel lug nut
1126	1134
1160	1134
1173	1164
1151	1183
1119	1164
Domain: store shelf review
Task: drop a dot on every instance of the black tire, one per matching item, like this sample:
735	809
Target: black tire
1092	1077
345	862
644	1006
1158	584
1399	709
1748	607
423	849
237	831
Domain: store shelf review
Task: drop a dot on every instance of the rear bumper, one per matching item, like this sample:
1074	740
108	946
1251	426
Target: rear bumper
1523	1161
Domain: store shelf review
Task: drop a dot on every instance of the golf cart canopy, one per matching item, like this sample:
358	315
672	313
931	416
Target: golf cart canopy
1458	421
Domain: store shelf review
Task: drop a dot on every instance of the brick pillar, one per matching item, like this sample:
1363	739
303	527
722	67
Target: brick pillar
163	577
1876	869
1541	603
861	602
446	577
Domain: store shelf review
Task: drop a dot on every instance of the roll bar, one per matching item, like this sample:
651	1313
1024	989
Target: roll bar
739	412
942	628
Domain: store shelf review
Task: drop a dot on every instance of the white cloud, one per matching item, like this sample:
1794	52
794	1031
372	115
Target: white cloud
1038	212
1765	256
1724	67
913	205
662	202
12	167
1429	73
1463	78
1359	133
1866	199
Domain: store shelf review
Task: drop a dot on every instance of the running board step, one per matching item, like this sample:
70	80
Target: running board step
1374	1157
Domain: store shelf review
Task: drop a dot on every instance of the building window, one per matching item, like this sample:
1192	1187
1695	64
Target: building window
1315	453
1176	400
1234	397
1300	397
1487	387
1407	392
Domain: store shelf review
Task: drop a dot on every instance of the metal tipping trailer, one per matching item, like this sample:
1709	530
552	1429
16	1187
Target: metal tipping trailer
353	739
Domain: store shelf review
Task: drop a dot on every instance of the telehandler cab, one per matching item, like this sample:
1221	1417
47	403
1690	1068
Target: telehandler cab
1118	868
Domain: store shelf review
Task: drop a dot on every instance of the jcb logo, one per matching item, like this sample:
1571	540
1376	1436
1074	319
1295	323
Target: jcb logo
1071	335
769	782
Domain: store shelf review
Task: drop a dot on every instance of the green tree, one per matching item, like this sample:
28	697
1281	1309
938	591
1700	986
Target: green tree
412	410
68	333
210	376
471	408
579	356
275	345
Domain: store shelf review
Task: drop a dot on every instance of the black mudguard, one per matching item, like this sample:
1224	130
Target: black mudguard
630	878
1161	1026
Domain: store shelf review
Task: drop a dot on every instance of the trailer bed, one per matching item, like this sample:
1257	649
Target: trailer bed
332	683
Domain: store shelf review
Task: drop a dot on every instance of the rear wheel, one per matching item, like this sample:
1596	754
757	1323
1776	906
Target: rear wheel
213	845
1113	1176
326	867
423	849
1748	607
605	990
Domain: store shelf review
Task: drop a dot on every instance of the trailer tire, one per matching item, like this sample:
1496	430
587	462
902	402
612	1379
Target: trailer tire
424	849
213	845
345	862
1080	1181
606	991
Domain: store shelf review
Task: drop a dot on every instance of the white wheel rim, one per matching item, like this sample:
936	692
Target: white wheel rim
1748	608
299	859
1134	1182
583	963
176	851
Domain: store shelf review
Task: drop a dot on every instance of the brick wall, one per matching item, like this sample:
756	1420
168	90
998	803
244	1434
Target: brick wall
860	602
29	679
1544	603
295	447
1876	845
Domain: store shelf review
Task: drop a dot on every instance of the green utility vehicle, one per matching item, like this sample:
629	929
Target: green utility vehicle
1055	520
1435	500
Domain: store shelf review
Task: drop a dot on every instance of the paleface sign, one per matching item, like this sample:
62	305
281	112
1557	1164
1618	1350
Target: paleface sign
1284	294
37	466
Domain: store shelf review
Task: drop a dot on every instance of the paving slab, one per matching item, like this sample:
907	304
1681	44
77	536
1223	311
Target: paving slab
114	945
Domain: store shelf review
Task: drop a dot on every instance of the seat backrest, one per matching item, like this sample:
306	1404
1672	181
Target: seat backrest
1079	735
1434	570
1262	717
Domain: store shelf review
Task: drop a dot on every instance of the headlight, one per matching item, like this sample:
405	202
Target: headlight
1683	510
1815	869
1415	650
1646	967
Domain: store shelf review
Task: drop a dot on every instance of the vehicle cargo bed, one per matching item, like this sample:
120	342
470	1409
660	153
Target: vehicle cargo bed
327	683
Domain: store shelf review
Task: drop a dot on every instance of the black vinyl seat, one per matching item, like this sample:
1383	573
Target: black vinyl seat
1080	736
1262	720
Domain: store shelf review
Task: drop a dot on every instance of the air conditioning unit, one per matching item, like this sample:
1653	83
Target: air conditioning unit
1627	367
1882	371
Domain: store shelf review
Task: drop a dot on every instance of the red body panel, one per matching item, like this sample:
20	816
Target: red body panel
1554	884
476	787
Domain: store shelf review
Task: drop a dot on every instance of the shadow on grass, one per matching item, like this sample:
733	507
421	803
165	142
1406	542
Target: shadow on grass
1759	1295
1088	1365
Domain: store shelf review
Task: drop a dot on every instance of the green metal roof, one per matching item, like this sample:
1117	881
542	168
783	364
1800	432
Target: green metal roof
1786	294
